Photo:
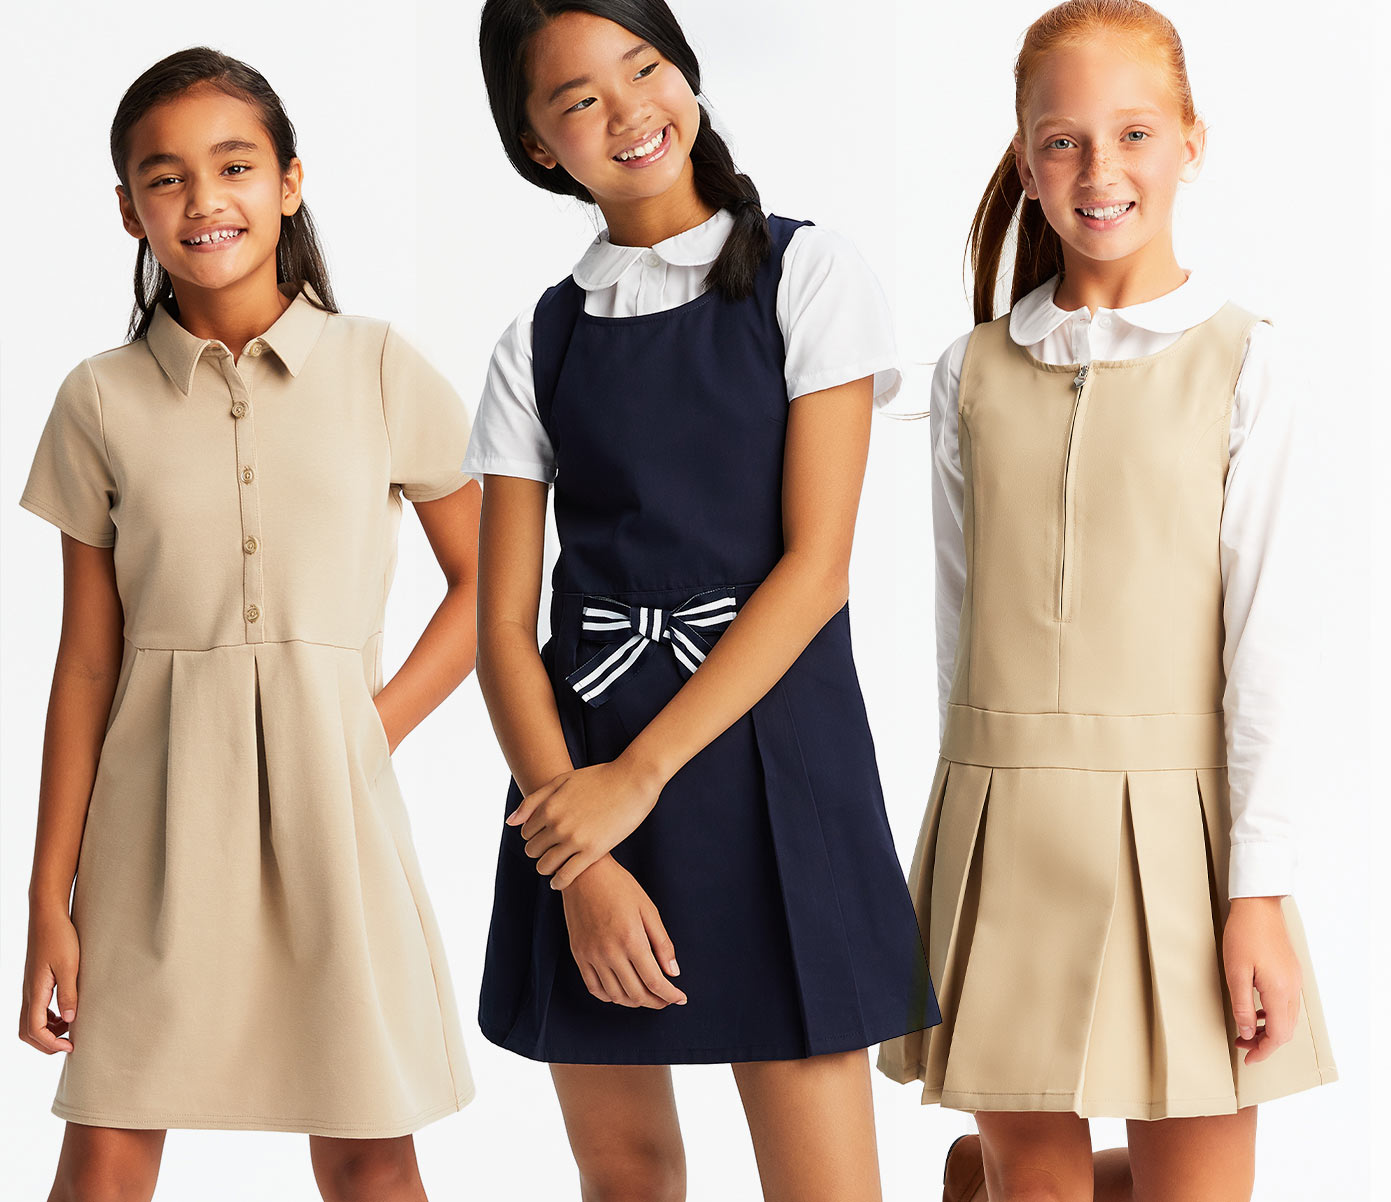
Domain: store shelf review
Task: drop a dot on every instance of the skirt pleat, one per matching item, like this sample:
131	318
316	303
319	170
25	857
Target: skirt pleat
1074	921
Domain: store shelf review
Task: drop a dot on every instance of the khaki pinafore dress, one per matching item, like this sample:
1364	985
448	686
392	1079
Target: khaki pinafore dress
1071	873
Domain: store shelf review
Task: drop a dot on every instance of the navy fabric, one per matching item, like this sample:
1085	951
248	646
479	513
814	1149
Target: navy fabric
769	854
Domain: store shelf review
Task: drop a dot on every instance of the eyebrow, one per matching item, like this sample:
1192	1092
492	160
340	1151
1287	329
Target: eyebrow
164	158
580	80
1063	119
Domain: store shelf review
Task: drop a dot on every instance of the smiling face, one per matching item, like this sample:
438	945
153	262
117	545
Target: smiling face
610	109
1103	147
206	190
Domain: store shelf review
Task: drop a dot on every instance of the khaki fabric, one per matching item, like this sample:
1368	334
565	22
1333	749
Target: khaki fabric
1071	872
257	946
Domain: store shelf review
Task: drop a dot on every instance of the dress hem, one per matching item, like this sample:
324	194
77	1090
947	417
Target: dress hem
218	1122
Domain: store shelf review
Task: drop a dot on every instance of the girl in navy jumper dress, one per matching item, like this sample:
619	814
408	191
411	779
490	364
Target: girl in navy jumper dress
693	772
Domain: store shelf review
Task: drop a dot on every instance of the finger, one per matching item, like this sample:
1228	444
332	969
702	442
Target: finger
637	992
1241	985
1279	1020
556	855
612	988
592	982
651	976
573	867
541	843
662	946
67	990
528	806
38	1033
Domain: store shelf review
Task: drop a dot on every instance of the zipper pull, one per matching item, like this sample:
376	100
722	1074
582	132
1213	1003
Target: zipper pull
1081	376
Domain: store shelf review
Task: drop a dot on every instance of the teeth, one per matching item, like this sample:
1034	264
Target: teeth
640	152
1107	213
214	236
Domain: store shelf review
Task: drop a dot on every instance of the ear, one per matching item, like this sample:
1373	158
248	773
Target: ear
1194	149
291	188
536	151
1021	163
128	216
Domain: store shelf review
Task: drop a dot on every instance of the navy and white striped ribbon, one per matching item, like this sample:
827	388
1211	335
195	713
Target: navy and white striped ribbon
637	627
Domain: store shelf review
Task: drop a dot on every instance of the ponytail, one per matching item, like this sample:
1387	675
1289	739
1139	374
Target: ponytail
1038	253
720	184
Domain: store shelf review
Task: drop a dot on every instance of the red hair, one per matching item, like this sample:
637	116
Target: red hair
1038	253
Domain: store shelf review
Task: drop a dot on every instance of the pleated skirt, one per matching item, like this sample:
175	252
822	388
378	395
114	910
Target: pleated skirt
1074	928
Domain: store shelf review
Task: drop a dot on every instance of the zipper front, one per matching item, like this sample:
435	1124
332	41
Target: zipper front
1074	436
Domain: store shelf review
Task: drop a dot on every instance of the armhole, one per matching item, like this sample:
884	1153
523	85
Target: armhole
552	327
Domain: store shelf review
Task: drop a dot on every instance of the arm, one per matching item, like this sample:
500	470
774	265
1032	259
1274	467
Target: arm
616	935
580	815
84	683
948	507
1260	585
444	654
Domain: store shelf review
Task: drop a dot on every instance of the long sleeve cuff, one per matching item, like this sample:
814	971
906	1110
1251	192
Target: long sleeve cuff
1261	869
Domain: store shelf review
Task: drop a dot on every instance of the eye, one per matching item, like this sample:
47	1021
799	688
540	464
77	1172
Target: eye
1136	135
581	106
164	179
647	70
239	168
1060	144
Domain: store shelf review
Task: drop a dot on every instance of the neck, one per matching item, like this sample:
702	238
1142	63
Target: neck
1096	284
233	315
653	219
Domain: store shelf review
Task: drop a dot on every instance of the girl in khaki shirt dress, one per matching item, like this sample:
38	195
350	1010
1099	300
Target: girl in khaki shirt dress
255	943
1105	905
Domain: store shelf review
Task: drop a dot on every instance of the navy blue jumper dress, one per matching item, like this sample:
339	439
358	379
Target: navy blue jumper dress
768	855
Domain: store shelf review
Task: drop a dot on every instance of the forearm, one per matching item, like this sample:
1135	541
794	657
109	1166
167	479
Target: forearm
798	597
441	659
517	692
78	708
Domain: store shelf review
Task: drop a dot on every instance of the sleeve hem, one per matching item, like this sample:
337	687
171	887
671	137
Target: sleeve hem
496	465
435	492
65	524
1261	869
832	377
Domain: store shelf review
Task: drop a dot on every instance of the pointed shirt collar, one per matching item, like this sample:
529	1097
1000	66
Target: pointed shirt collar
292	337
603	264
1188	305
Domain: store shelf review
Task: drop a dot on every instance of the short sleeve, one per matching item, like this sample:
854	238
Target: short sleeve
835	319
71	483
508	437
426	423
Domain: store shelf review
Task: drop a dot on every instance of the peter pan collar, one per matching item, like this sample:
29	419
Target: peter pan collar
292	337
1188	305
603	264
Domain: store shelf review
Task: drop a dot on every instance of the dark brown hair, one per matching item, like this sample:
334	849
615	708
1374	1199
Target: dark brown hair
1038	254
505	31
299	259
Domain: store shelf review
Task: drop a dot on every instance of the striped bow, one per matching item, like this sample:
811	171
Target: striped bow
639	626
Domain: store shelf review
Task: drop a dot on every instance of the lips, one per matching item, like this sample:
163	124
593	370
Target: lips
651	144
212	236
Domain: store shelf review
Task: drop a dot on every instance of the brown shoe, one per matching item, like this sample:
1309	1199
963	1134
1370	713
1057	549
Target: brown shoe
963	1176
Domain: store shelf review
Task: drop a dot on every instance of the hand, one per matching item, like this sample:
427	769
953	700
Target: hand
618	940
391	743
580	815
51	962
1257	955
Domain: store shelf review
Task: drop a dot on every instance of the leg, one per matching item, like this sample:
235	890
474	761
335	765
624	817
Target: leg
963	1180
812	1123
107	1164
1210	1159
366	1170
621	1120
1036	1156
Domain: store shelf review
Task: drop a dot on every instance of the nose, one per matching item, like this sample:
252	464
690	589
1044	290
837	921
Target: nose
205	196
1098	167
628	116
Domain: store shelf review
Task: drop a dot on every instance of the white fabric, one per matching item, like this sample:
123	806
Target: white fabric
835	323
1259	567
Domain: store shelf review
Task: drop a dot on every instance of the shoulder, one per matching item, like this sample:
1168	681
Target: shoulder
356	329
817	249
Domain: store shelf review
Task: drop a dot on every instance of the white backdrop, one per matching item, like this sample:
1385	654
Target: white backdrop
883	120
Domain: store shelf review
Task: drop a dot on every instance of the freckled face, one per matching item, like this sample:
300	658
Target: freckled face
610	109
206	190
1104	148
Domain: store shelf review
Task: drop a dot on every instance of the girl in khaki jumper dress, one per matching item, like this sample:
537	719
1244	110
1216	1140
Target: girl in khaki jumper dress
249	943
1103	875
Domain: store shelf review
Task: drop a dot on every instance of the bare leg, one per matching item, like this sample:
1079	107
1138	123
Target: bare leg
812	1123
964	1173
107	1164
1036	1156
621	1120
1211	1159
366	1170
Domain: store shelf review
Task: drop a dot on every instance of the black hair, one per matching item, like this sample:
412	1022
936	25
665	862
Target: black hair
505	31
299	259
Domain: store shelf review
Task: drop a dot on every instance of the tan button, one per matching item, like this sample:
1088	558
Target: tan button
253	614
254	349
250	545
247	475
239	409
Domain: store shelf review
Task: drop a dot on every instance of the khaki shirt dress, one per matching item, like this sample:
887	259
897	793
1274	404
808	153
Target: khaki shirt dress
257	947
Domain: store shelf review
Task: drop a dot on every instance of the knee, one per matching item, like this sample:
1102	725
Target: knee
102	1182
369	1175
1024	1183
641	1172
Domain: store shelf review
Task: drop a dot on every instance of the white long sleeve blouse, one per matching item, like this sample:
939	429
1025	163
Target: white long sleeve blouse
1258	566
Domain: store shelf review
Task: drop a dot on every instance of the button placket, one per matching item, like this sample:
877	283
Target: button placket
248	494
